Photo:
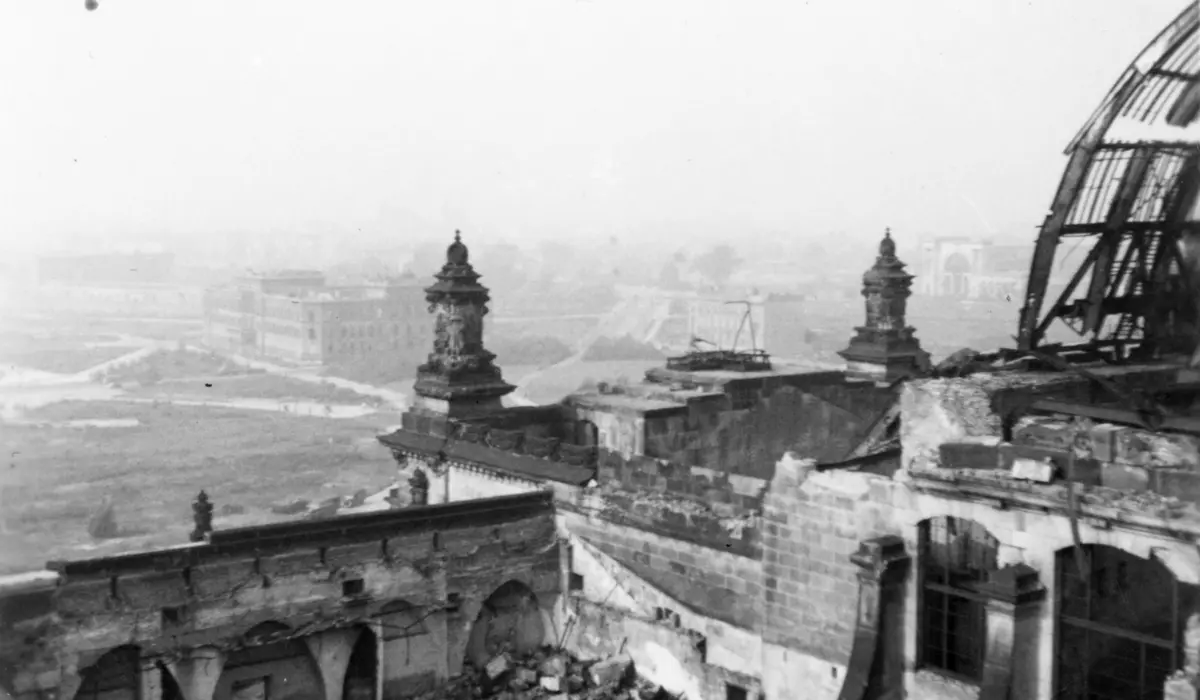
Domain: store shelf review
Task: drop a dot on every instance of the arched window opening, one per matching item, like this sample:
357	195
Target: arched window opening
509	621
361	670
586	433
114	676
955	556
402	620
270	662
170	688
1120	624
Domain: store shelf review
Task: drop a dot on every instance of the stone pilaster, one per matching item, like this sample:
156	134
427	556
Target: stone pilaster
198	673
331	650
151	680
1014	600
876	666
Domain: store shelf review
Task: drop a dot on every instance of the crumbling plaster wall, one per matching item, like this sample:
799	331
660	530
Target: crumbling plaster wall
466	482
605	579
222	599
661	653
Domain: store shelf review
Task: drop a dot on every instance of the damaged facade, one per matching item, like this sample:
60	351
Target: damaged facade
1017	525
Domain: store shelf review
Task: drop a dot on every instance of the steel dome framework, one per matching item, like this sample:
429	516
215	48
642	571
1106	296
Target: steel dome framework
1130	191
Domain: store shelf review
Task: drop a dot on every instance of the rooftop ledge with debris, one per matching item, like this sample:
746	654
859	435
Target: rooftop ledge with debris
1105	443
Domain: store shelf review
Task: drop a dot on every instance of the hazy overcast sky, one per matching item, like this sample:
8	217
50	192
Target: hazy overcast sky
530	117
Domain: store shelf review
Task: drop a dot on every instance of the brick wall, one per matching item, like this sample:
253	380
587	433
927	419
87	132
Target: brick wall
812	522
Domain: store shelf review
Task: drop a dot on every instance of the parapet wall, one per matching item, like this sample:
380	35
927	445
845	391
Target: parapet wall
311	575
819	415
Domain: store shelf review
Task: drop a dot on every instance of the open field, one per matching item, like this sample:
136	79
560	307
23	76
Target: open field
59	355
253	386
176	364
56	478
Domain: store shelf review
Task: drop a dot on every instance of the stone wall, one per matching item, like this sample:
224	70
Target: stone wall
722	586
817	415
321	576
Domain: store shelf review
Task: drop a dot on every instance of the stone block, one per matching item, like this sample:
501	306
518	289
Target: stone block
84	597
154	590
498	666
611	670
1124	477
970	454
551	684
351	554
1105	441
1183	484
524	678
1032	470
1145	448
1044	432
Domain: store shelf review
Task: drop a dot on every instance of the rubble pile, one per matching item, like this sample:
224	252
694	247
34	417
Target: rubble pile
550	674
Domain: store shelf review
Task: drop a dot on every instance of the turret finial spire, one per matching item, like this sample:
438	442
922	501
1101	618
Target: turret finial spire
457	236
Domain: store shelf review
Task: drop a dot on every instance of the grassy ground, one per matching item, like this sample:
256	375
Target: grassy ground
176	364
253	386
58	356
56	478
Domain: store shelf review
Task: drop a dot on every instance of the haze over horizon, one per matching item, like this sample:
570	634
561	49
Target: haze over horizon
576	119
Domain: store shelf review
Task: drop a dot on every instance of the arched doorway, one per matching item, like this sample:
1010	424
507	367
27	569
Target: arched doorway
509	621
955	276
170	688
586	433
114	676
412	655
362	670
1119	624
270	663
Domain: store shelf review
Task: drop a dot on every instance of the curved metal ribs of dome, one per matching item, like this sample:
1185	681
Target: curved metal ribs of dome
1130	191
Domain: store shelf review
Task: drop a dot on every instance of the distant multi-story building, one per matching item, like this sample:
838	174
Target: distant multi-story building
293	315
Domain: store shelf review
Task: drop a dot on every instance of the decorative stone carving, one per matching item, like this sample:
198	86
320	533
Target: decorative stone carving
885	348
202	511
418	488
460	369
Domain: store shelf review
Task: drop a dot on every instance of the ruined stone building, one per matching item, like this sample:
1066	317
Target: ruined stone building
1017	525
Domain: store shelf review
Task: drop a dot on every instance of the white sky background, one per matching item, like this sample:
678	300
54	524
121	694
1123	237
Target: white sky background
528	118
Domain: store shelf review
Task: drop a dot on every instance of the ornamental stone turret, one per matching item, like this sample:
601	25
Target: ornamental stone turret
884	349
459	379
202	516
